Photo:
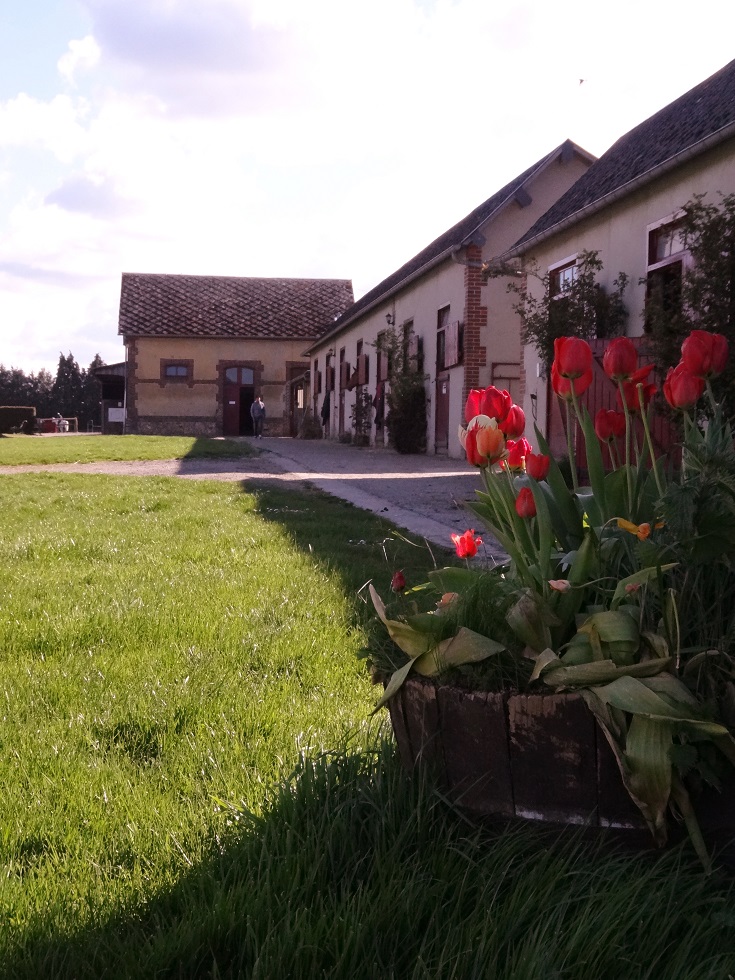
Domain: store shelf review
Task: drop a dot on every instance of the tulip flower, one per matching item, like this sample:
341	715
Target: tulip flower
537	465
398	582
630	389
482	441
472	405
572	357
641	531
525	504
620	359
704	354
490	401
563	386
681	388
514	423
490	444
517	452
560	584
466	544
609	424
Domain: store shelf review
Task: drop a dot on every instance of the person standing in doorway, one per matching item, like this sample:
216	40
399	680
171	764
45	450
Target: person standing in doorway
257	413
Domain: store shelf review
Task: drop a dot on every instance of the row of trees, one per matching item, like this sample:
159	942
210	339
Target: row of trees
74	392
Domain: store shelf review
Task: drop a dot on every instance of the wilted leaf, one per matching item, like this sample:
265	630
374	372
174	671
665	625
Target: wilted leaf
465	648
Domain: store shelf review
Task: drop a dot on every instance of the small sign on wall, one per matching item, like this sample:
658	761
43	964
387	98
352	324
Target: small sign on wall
115	414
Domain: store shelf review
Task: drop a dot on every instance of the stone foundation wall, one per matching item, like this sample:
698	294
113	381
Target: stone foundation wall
174	425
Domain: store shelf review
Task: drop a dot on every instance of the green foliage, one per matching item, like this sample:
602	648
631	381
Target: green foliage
706	300
584	309
406	395
362	416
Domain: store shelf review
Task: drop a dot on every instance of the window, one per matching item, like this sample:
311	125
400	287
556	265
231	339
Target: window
182	370
667	260
239	375
562	276
442	325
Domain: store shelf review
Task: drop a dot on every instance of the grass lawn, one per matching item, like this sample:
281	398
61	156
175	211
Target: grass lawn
191	786
40	450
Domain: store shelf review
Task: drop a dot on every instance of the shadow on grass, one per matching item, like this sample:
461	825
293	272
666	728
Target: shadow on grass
357	545
205	447
356	872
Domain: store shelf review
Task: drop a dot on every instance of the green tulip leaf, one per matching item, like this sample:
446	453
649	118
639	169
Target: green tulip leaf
466	647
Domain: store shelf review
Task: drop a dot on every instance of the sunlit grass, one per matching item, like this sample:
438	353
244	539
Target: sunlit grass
162	647
39	450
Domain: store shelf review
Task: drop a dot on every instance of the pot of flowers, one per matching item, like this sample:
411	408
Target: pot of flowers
590	677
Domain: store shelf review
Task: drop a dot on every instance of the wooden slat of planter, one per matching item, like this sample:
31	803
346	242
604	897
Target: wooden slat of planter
616	809
475	742
400	730
422	721
553	758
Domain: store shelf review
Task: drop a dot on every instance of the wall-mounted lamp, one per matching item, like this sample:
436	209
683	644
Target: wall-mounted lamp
534	406
390	319
330	352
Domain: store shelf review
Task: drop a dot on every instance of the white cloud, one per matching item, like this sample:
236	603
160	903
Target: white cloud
82	55
55	126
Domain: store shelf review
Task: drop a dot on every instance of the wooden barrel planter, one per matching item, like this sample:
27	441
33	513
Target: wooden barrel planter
535	756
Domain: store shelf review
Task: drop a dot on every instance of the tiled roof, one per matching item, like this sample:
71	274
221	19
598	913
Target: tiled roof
700	118
229	306
457	236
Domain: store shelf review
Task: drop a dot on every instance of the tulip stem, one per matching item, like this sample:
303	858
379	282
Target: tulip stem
628	436
649	441
570	445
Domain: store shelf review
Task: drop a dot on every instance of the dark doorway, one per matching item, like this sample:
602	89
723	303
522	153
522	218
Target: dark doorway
238	394
247	397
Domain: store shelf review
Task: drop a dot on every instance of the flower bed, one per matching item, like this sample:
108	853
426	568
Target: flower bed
620	590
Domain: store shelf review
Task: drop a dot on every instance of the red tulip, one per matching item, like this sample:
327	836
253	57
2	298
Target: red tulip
525	504
620	359
517	452
563	386
537	465
704	354
470	447
514	423
398	582
472	405
495	403
466	544
572	356
609	424
682	389
630	389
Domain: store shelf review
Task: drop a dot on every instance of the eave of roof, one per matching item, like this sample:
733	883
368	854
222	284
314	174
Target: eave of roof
698	128
447	245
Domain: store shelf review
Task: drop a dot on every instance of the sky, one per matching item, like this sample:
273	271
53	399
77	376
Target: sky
286	138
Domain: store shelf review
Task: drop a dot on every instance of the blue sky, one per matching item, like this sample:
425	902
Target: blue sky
325	139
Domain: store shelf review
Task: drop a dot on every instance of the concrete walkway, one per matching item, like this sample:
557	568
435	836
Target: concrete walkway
427	495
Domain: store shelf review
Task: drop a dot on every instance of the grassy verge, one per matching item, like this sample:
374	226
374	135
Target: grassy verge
36	450
191	788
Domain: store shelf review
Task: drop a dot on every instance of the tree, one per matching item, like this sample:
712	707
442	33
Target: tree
406	393
68	387
89	408
579	308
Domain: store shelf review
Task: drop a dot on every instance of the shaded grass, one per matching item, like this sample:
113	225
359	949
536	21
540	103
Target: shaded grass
37	450
351	870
